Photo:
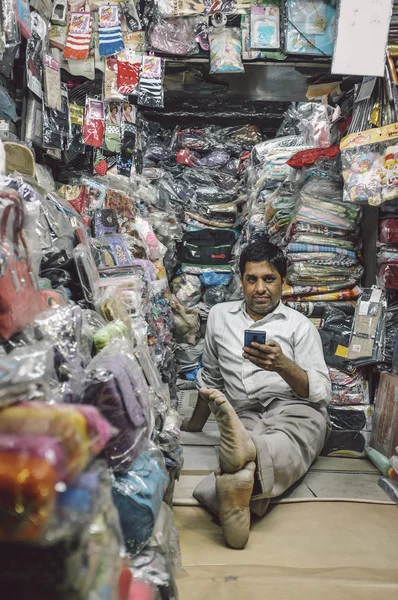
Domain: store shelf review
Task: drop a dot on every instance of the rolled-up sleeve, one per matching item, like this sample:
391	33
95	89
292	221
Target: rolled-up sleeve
308	353
209	376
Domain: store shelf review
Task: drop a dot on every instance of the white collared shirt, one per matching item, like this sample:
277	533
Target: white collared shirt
224	367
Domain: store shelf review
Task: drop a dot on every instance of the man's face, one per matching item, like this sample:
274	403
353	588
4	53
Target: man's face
262	288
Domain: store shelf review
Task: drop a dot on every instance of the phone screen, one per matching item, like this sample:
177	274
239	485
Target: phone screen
254	336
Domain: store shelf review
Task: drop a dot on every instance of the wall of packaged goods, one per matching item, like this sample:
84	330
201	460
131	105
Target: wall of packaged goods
144	143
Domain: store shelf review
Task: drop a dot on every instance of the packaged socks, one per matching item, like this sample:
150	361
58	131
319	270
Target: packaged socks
79	36
110	31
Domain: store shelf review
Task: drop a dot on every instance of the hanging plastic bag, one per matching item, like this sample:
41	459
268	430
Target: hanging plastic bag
79	36
151	91
94	123
109	30
173	36
369	165
225	50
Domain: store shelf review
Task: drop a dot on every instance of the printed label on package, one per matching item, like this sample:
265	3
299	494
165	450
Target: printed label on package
109	16
80	23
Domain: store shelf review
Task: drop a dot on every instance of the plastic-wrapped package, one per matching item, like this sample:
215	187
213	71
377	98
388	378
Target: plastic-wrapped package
56	123
128	68
79	36
309	27
62	327
225	50
116	385
214	294
387	277
20	299
351	430
348	389
173	36
110	251
367	328
88	273
151	82
104	222
390	334
388	229
212	279
26	372
156	249
261	150
108	333
158	562
92	321
138	495
186	323
368	160
80	433
187	289
82	544
265	26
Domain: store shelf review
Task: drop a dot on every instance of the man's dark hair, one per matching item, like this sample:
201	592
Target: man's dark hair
259	250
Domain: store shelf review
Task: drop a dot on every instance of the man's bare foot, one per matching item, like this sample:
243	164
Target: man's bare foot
236	446
233	494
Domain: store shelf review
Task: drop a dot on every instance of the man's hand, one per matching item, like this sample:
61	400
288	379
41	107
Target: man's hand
270	357
267	356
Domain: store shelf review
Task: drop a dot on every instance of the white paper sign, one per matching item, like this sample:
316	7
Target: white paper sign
362	34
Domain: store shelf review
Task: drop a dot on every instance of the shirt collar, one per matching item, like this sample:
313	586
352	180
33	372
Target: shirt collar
279	312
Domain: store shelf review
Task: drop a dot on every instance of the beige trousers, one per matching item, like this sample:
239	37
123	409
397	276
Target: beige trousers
288	435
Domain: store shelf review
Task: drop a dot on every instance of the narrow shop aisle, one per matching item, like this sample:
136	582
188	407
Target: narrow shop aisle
311	550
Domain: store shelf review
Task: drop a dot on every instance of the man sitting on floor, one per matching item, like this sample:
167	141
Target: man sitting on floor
269	399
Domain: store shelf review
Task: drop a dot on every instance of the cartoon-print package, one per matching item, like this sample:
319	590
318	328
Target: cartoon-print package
225	50
370	165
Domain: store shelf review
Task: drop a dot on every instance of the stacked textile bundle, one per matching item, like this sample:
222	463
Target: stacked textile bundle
322	241
196	172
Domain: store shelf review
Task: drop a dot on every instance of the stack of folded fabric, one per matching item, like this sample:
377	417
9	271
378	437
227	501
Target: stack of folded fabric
322	242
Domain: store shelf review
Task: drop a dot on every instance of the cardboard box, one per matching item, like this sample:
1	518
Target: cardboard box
385	422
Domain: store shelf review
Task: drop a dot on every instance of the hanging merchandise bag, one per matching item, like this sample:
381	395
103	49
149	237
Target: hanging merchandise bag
370	165
52	82
225	50
151	82
264	26
23	18
20	298
112	139
131	15
94	123
79	36
109	30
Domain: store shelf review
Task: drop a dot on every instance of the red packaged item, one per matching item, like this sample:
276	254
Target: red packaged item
128	71
187	157
388	277
389	231
77	45
94	123
20	298
306	158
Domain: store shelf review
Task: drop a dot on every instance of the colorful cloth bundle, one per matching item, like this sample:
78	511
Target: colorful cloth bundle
348	389
138	496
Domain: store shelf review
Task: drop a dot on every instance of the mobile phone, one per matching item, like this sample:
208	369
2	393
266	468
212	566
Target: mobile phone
251	335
